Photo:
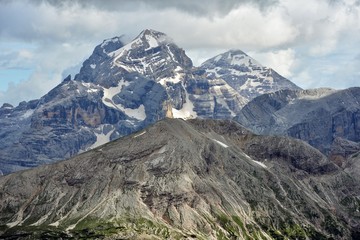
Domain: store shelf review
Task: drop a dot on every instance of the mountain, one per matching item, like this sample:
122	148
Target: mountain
202	179
325	118
245	74
121	88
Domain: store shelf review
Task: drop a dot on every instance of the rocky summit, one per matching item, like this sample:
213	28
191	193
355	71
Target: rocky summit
122	88
200	179
245	74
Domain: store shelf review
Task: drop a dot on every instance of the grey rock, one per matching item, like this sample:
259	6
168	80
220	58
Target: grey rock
177	179
316	116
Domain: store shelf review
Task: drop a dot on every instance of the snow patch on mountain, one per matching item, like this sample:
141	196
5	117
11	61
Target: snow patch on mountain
109	93
140	134
178	77
259	163
151	41
27	114
220	143
138	113
103	133
187	110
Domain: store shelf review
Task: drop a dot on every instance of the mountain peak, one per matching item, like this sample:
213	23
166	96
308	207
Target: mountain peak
238	57
236	52
245	74
153	38
151	32
111	44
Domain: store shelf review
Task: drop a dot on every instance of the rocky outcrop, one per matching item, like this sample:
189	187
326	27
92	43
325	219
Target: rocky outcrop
316	116
196	179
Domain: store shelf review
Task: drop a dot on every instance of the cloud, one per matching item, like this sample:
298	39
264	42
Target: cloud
282	61
198	8
26	90
300	39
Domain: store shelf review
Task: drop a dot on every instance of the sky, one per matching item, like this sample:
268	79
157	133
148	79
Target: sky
314	43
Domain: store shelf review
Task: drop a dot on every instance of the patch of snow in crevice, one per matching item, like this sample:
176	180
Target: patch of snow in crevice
187	110
27	114
91	90
140	134
260	163
178	77
151	41
220	143
101	138
171	55
138	113
109	93
93	66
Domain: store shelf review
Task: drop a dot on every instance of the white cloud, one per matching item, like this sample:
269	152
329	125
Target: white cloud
26	90
293	37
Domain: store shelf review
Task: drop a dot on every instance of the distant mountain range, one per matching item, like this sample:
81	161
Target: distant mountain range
253	156
325	118
195	179
122	88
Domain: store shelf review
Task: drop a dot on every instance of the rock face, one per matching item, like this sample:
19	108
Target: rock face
197	179
245	74
317	116
120	88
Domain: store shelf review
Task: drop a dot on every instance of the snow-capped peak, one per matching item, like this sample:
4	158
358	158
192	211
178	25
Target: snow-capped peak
234	57
146	40
245	74
154	38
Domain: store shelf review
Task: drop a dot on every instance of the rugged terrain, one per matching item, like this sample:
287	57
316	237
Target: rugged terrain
202	179
327	119
122	88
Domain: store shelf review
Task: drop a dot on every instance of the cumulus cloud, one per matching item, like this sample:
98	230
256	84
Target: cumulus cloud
210	8
302	40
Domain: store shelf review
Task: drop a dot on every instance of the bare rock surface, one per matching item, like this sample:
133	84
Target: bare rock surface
177	179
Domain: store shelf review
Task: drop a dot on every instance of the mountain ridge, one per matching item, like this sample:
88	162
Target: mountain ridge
200	179
120	88
317	116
